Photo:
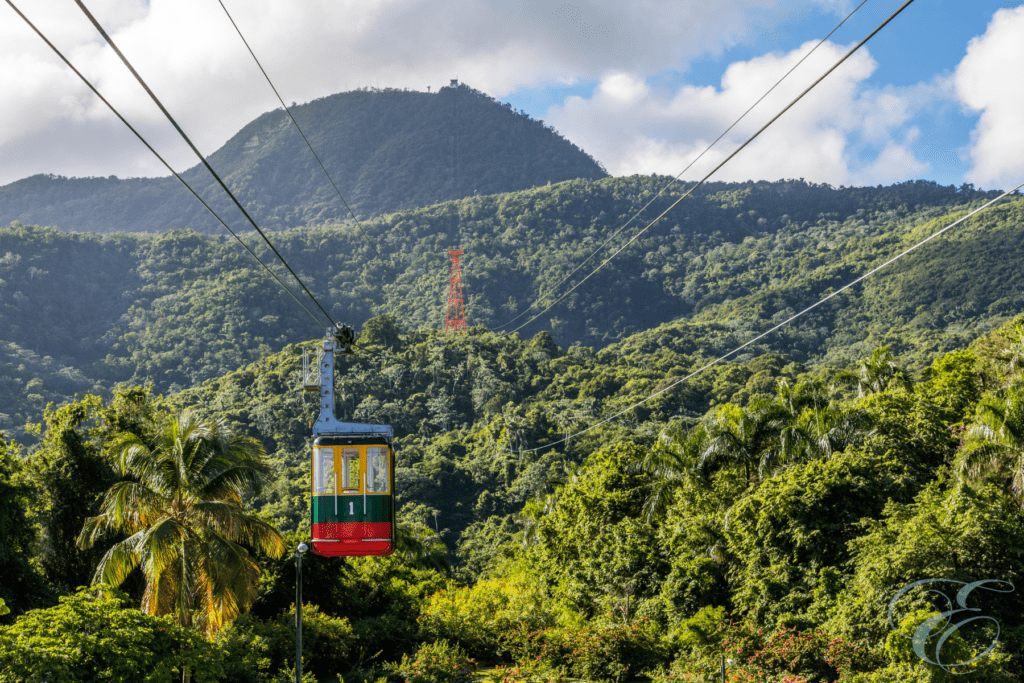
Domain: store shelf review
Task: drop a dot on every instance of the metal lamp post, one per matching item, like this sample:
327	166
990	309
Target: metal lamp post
299	552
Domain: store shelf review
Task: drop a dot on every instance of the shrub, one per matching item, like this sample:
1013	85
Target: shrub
762	655
263	651
529	672
440	662
594	652
480	617
87	638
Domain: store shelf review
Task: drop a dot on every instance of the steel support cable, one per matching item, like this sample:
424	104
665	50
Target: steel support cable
162	160
359	225
199	154
690	165
784	322
720	165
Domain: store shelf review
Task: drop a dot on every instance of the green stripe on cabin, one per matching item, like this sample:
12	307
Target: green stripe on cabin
378	509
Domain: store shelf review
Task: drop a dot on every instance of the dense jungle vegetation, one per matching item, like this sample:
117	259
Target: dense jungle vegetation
454	143
81	312
761	511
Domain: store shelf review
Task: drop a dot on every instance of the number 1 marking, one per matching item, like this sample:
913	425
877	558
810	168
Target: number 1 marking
351	508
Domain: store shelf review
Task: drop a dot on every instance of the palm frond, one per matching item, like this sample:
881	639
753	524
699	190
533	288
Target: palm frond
119	561
236	478
161	545
130	506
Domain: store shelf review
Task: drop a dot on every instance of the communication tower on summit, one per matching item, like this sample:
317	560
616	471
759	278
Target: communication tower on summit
456	319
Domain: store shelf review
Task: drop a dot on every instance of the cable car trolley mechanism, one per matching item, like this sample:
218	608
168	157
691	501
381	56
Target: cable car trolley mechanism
353	467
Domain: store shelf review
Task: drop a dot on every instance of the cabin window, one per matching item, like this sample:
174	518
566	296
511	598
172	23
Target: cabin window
377	474
350	469
323	470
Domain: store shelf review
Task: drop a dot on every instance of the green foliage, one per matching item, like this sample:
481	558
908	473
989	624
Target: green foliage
483	617
80	313
959	534
86	639
906	665
438	662
795	525
20	583
754	491
955	382
994	443
595	652
754	653
261	651
380	596
178	508
593	543
71	476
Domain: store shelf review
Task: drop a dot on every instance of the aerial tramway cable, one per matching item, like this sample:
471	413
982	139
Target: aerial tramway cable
200	155
688	167
162	160
369	240
720	165
784	322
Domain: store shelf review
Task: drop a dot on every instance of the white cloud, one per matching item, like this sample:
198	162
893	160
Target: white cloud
842	132
987	81
188	52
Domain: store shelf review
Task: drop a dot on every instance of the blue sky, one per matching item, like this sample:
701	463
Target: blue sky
642	86
927	41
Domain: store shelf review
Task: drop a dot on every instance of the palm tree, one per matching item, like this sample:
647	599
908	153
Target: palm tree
422	548
743	436
1014	355
806	393
670	462
878	373
823	431
180	505
994	445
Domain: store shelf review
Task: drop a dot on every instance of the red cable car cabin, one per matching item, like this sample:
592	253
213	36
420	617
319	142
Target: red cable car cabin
353	472
353	495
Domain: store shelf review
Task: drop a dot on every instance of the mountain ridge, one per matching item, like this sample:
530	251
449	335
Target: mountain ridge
387	150
82	312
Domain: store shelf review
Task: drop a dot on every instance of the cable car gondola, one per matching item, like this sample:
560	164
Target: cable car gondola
353	472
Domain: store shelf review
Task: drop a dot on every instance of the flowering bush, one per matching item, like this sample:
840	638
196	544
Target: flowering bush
708	670
780	656
529	672
592	652
440	662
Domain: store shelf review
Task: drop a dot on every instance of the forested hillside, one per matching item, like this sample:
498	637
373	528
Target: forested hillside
385	149
81	312
760	512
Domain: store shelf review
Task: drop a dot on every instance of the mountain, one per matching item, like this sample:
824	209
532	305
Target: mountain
80	312
387	150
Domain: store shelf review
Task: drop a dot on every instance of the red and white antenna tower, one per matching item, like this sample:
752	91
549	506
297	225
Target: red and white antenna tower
456	319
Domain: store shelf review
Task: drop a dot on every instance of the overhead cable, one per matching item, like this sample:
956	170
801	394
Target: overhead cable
784	322
720	165
200	155
688	166
359	225
157	155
